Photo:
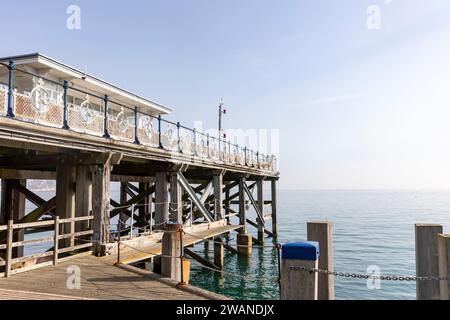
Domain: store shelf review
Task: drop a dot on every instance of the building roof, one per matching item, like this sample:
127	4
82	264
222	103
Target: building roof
41	62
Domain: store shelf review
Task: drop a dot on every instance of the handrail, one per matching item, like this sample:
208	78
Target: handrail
224	145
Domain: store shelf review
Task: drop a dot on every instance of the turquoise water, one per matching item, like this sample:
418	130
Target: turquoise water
370	228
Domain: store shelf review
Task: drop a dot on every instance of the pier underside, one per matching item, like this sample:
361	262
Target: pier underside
103	191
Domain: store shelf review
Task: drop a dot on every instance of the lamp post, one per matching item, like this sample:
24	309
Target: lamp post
222	111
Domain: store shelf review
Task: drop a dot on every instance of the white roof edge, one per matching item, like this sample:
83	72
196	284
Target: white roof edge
38	57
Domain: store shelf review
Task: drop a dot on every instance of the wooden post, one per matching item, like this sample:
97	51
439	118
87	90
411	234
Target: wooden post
9	248
65	199
322	232
244	244
444	265
83	197
176	202
218	252
144	205
161	200
123	198
242	207
299	284
218	197
427	260
260	190
171	251
274	207
56	241
6	201
101	177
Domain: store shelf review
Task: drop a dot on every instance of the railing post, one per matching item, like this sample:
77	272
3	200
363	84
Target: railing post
195	141
65	111
207	145
10	112
56	241
136	138
229	151
178	137
10	232
257	159
159	133
245	155
105	119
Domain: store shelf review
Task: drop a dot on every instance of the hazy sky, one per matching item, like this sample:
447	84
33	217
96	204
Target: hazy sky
356	108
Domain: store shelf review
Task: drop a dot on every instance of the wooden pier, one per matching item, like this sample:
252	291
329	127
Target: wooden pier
58	124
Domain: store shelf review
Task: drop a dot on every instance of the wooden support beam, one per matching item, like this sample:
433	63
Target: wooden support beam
200	259
274	207
185	184
83	196
65	200
260	219
144	205
171	251
250	222
230	248
101	179
218	196
14	174
132	201
124	213
242	207
427	260
176	202
161	199
18	214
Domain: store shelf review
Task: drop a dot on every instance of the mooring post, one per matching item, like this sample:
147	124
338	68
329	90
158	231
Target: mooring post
171	251
444	265
296	283
322	232
427	260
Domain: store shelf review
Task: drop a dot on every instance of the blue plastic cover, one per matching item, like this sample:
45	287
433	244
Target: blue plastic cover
304	250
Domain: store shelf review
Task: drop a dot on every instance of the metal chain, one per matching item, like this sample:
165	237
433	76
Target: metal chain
367	276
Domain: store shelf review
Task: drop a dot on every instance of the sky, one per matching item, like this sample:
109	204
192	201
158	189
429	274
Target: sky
348	106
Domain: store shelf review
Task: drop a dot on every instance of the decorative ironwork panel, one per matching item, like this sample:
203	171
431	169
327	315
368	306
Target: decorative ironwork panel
148	130
86	115
121	122
169	136
187	141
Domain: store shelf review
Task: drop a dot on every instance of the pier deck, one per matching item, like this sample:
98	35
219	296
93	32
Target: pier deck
99	280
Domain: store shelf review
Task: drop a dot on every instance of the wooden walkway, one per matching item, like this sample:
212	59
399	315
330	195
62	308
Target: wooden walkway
133	254
99	280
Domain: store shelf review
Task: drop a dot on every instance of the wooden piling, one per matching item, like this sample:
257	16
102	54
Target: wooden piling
274	207
242	207
176	203
161	200
83	196
65	200
299	284
218	196
218	252
171	251
260	190
444	265
244	244
101	176
427	260
322	232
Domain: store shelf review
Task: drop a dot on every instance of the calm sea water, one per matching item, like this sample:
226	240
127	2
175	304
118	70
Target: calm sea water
370	228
